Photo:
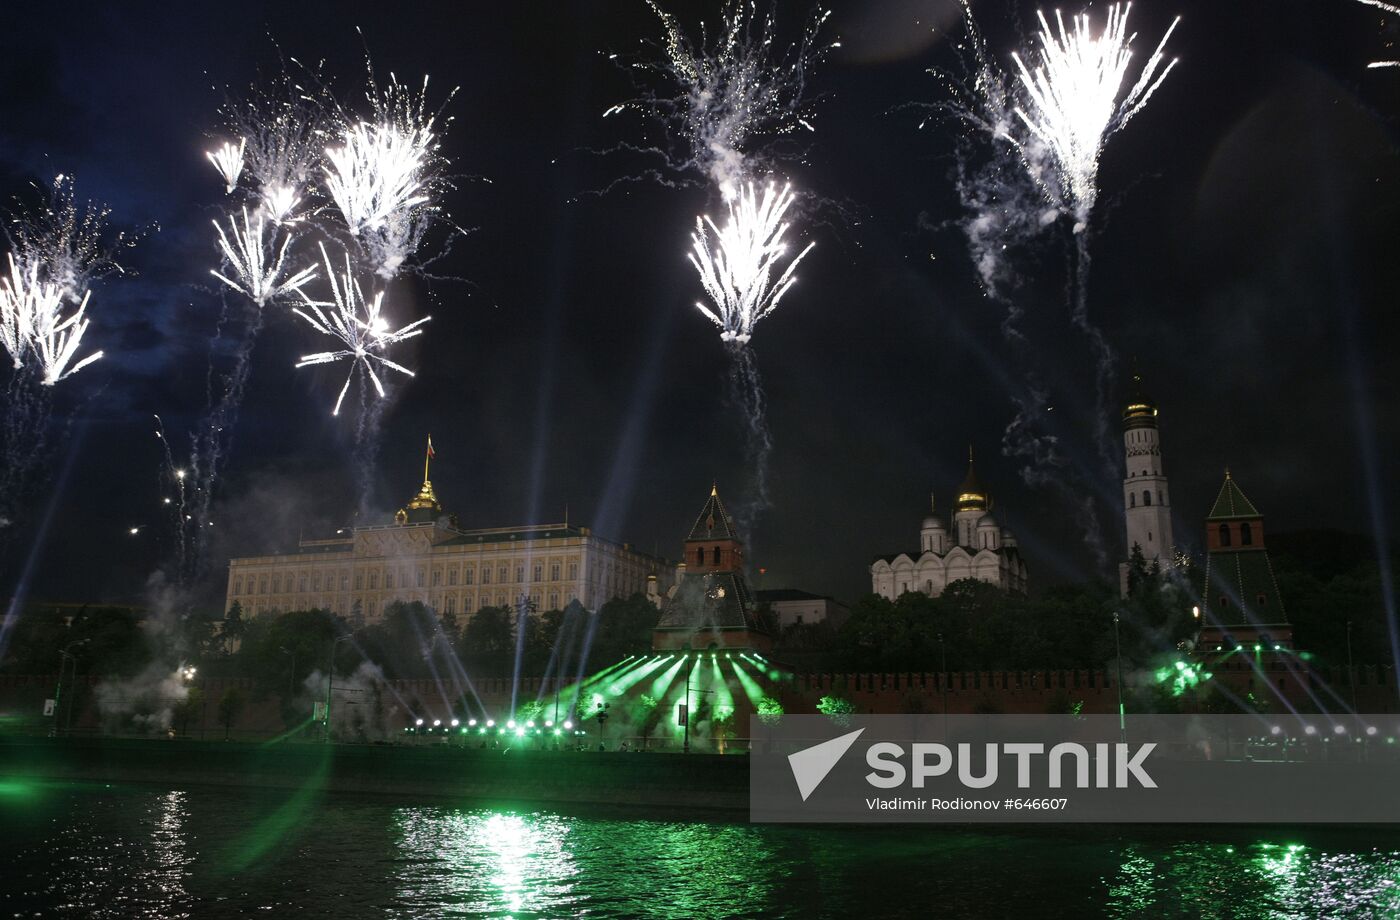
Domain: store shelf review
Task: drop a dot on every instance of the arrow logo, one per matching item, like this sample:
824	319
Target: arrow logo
811	765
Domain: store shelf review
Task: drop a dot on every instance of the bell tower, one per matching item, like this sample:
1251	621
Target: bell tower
1146	500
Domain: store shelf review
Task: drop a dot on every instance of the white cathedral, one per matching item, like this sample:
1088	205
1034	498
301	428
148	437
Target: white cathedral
977	547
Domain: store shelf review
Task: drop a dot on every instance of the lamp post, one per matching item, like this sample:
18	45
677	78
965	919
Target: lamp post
65	655
330	683
943	680
1351	669
1118	661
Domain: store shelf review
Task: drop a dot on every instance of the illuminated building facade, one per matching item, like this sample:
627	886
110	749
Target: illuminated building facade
424	556
975	547
1147	506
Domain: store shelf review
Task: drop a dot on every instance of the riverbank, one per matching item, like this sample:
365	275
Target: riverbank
669	782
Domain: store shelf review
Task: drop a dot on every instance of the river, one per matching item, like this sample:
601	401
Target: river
140	851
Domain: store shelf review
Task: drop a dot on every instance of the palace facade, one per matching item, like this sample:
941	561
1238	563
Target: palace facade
423	556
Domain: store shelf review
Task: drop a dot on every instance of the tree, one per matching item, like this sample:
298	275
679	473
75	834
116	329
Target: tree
488	640
191	707
838	709
230	708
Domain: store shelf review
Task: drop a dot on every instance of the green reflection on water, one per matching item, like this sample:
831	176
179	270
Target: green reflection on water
517	864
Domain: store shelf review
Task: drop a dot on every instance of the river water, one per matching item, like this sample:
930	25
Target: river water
135	851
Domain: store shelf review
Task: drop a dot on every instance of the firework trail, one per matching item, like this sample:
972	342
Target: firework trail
298	167
1075	100
741	267
57	251
726	95
724	103
1389	8
1046	127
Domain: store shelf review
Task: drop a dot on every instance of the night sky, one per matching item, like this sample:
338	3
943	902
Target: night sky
1244	256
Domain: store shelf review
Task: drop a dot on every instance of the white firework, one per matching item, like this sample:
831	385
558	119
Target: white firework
377	180
1076	99
258	262
740	263
280	202
228	160
17	311
56	338
33	326
358	324
1389	8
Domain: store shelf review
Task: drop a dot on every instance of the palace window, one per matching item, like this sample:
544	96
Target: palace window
553	600
344	581
316	582
573	571
437	577
451	576
420	578
469	575
374	579
1246	534
238	585
276	581
1224	534
301	584
388	579
519	574
451	604
503	574
538	572
359	580
554	572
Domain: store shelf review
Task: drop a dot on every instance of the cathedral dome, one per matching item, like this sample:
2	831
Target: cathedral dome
933	523
1141	411
971	495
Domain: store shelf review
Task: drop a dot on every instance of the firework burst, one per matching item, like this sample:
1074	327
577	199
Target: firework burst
1075	97
228	160
257	262
740	263
358	324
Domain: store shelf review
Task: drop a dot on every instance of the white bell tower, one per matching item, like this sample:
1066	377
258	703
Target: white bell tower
1146	499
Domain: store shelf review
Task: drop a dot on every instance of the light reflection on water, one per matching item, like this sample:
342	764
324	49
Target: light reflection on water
206	853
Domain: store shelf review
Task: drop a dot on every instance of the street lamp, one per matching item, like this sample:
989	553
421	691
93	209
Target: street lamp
65	655
1118	661
330	683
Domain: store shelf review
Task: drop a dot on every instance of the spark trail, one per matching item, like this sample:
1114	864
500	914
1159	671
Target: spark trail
723	103
1042	131
744	270
726	95
57	250
1389	8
